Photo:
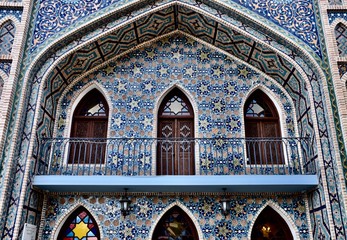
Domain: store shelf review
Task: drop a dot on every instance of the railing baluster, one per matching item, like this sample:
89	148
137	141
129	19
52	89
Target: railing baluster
132	156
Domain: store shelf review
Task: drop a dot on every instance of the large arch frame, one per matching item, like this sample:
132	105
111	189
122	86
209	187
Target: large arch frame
29	76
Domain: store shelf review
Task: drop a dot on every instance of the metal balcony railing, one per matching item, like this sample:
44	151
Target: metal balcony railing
155	156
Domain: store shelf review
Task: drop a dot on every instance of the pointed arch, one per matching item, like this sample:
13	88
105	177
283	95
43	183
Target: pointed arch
277	104
175	121
81	217
92	86
273	216
184	211
262	130
77	96
160	99
89	121
7	34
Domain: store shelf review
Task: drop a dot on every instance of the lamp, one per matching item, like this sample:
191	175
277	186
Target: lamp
124	203
225	203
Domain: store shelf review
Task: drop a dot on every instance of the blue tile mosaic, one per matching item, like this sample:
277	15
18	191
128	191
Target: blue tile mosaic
7	33
128	85
341	39
296	16
333	15
6	67
4	12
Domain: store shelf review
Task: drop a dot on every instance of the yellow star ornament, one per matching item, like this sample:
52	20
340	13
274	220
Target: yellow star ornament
81	230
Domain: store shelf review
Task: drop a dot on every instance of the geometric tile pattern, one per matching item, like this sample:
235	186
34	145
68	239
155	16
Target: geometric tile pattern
283	13
341	39
146	80
333	15
7	32
16	13
145	211
120	82
188	21
6	67
220	76
342	68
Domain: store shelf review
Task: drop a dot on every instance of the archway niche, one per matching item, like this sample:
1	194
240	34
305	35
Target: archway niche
175	224
270	226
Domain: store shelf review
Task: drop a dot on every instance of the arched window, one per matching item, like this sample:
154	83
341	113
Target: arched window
7	32
175	154
175	224
79	225
89	129
270	225
341	38
263	133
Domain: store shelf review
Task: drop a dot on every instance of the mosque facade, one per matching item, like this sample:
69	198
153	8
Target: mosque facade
183	119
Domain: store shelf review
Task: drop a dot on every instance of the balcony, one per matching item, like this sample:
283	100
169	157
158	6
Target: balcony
170	165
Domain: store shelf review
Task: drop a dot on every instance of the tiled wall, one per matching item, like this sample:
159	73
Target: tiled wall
217	84
341	39
7	32
146	211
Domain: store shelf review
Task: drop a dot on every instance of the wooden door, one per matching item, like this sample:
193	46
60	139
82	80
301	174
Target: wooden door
176	147
175	151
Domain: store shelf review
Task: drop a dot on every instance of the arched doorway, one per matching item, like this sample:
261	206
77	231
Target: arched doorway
89	129
270	226
263	132
79	225
175	224
175	152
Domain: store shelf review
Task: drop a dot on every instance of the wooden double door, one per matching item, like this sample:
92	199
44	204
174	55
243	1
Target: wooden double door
176	147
